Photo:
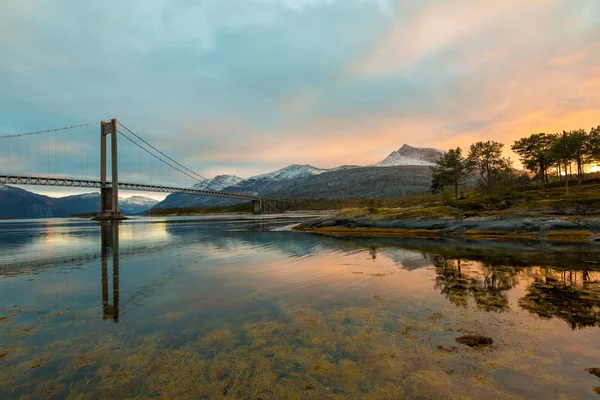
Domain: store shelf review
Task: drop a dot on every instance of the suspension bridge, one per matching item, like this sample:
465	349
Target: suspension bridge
49	157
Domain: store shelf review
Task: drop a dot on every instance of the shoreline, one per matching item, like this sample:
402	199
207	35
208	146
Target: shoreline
550	228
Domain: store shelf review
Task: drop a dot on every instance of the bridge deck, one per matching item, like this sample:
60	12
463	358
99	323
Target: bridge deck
83	183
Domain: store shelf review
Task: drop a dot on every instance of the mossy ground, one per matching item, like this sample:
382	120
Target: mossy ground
582	200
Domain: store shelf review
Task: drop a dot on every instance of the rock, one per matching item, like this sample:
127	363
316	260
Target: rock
594	371
594	239
475	340
326	223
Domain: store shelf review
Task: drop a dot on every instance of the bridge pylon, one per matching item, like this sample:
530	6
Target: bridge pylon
269	206
109	196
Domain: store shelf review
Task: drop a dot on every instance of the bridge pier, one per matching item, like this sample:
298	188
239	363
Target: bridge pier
268	206
257	206
109	196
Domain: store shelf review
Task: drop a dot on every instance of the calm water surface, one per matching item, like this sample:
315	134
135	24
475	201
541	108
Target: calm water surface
244	308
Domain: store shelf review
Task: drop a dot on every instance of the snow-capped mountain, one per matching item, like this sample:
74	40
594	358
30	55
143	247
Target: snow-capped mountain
421	153
395	159
297	176
293	171
273	181
408	155
136	204
219	182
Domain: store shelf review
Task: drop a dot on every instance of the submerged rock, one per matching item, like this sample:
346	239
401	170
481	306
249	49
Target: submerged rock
475	340
594	371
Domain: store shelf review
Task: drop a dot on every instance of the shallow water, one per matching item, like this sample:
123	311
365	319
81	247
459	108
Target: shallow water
244	308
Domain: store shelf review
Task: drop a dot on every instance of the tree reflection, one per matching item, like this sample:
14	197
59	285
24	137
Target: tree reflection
572	296
486	285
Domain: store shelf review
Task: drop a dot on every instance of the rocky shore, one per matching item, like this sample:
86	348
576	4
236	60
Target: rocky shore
571	228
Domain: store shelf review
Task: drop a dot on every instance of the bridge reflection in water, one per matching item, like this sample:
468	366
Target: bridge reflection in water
109	234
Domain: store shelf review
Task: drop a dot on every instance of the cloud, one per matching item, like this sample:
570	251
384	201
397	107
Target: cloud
245	87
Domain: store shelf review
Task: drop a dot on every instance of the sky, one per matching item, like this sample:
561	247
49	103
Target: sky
250	86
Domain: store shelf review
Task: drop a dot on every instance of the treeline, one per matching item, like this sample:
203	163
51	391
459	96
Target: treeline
563	155
235	208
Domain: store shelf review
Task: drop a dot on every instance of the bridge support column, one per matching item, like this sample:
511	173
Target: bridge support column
109	196
257	206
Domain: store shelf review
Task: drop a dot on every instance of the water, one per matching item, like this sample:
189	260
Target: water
244	308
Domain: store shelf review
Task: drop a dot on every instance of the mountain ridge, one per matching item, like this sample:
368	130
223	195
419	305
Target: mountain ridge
280	182
20	203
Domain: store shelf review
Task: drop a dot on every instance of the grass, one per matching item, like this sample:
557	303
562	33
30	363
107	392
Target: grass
582	200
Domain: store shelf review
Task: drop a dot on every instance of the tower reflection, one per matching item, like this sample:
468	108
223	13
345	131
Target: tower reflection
109	233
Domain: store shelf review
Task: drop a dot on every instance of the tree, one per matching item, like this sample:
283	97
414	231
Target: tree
593	145
535	152
450	169
578	145
486	158
572	146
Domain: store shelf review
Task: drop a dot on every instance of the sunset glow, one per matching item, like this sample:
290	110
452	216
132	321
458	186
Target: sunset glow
246	87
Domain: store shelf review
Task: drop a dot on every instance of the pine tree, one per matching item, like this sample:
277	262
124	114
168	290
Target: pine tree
450	169
486	158
535	152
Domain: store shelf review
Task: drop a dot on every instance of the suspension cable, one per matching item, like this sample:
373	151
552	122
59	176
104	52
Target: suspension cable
157	157
48	130
182	166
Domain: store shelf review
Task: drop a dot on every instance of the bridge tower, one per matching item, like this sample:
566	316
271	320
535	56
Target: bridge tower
109	196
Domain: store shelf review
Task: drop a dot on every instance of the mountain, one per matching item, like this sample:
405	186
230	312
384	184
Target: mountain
306	181
90	202
293	171
20	203
258	184
136	205
408	155
78	204
362	182
219	182
273	181
421	153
